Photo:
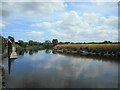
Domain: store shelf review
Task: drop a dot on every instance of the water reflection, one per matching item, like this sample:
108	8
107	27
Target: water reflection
60	71
95	57
54	52
21	52
48	51
9	63
73	67
26	51
9	66
32	51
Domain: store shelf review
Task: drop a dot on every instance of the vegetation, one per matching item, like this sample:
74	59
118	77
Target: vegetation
34	45
21	43
19	48
47	44
31	42
34	48
3	44
96	47
54	42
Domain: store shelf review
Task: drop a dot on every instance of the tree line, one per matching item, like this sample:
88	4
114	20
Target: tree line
46	44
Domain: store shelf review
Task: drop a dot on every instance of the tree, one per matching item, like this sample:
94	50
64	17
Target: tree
55	42
105	42
61	43
31	42
21	43
67	42
47	44
35	43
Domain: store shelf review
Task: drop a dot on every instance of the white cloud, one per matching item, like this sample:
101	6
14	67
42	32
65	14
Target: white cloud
58	33
40	8
2	24
48	24
69	25
60	0
91	17
44	24
97	1
35	33
89	26
111	21
32	0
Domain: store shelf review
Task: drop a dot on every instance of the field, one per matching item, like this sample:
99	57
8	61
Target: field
94	47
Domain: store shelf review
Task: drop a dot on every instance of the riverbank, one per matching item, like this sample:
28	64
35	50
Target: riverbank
0	77
2	73
89	49
34	47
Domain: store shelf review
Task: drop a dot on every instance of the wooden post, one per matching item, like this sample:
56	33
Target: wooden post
9	47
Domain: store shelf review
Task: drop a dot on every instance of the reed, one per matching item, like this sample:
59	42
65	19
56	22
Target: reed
94	47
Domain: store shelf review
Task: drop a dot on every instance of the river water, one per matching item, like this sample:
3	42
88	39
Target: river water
43	69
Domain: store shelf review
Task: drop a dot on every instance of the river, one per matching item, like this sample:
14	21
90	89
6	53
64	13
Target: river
43	69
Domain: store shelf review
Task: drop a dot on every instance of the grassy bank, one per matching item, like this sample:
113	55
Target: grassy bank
91	47
20	48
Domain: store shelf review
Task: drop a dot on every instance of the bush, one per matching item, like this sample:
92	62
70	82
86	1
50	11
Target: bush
19	48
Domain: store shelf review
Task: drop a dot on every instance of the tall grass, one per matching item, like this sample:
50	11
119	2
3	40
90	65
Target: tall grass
96	47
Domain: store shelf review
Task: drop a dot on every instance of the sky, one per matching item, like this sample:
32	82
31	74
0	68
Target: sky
91	21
